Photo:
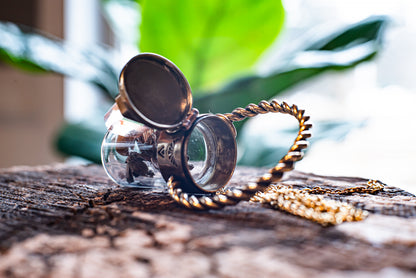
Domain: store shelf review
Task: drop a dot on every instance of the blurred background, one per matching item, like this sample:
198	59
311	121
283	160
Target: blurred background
349	64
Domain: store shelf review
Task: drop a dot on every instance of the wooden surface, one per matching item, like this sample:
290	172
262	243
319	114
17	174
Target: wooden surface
62	221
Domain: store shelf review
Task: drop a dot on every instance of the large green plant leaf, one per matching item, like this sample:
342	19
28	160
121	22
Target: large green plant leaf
30	50
339	51
210	40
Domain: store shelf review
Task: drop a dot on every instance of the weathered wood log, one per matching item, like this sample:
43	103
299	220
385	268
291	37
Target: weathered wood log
63	221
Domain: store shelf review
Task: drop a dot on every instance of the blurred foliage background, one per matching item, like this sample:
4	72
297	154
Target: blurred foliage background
217	44
335	59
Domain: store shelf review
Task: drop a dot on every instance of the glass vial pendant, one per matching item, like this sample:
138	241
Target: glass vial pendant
154	134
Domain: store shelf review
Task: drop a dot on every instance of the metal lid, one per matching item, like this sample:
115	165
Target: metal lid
154	91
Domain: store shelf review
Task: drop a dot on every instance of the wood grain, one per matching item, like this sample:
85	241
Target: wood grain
67	221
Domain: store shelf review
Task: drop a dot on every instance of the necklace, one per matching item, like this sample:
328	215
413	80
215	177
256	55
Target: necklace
304	203
196	154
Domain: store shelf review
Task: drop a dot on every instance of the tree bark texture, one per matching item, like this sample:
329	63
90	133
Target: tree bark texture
72	221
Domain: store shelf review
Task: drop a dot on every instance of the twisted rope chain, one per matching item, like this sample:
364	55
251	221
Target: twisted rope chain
233	196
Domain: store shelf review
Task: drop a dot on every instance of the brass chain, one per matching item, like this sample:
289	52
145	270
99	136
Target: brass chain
233	196
300	202
295	201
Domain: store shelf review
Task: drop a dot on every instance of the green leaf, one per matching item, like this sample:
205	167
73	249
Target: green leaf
81	139
30	50
210	40
365	31
342	50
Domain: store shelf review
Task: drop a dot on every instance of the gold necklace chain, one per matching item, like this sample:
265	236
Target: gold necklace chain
295	201
300	202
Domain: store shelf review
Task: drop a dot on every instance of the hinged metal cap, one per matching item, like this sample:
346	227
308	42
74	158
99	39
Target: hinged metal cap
154	91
